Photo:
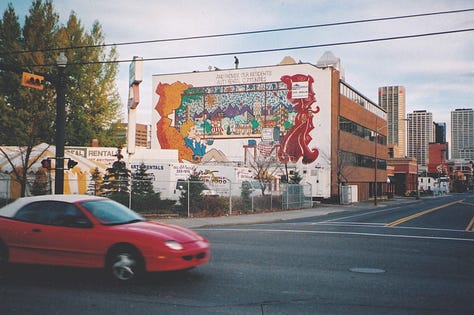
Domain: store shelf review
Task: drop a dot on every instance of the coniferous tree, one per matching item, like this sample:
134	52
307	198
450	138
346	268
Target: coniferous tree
142	183
194	193
116	179
96	182
245	191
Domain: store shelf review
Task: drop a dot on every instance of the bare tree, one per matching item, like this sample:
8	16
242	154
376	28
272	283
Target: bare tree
21	170
266	167
343	172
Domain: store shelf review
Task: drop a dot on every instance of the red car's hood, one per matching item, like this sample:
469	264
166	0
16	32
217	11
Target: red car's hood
163	231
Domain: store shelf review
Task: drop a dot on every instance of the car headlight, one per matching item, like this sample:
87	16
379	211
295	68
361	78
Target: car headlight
173	245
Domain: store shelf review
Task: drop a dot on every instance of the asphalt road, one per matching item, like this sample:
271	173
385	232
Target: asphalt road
402	259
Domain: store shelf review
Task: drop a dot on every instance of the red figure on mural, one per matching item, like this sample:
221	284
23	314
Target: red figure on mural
295	142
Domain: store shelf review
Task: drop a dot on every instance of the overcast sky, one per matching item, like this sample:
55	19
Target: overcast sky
437	71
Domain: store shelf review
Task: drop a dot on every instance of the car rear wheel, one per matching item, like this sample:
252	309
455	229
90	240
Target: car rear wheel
125	264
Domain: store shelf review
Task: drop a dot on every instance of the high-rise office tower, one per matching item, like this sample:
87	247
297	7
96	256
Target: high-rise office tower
440	136
440	132
392	100
462	134
420	134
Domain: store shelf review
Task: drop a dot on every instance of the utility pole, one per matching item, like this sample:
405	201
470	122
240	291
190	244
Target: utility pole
60	125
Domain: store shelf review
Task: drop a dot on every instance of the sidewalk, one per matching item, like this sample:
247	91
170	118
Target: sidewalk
266	217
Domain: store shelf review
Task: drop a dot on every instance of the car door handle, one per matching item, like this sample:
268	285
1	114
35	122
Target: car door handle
36	230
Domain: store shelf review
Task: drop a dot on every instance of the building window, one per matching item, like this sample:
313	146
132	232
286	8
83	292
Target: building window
360	131
359	160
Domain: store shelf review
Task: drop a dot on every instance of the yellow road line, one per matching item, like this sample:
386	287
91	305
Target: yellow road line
419	214
470	226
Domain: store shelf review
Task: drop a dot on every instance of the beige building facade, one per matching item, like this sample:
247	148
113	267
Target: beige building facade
392	100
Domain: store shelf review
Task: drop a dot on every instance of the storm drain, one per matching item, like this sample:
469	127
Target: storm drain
367	270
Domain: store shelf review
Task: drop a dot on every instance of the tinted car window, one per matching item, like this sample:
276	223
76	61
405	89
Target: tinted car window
35	212
53	213
64	214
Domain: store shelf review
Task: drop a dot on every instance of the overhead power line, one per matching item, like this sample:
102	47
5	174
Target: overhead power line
247	52
248	32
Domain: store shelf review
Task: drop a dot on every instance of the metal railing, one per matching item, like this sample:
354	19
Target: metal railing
184	198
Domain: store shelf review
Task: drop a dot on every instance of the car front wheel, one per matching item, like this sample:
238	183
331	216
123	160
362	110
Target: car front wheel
125	264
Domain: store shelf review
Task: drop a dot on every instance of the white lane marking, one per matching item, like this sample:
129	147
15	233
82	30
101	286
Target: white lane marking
335	223
378	225
339	233
360	214
364	224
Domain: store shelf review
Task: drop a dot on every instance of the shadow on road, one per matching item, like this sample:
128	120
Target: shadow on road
92	279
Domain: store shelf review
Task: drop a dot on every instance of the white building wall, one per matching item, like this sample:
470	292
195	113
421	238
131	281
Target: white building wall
233	146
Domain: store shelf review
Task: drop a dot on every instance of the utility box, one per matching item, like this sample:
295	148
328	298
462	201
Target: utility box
349	194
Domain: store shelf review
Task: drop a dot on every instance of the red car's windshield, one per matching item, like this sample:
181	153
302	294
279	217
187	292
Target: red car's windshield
109	212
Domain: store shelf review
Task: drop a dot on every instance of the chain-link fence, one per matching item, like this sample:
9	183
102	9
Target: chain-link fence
175	198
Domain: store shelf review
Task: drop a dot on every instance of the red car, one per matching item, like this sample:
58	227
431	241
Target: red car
94	232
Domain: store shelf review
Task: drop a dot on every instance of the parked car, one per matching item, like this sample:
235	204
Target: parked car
94	232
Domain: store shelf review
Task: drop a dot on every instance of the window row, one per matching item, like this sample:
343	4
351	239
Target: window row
355	129
359	160
349	92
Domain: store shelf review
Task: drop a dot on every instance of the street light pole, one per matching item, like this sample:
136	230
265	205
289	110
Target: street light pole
416	182
375	174
61	62
376	140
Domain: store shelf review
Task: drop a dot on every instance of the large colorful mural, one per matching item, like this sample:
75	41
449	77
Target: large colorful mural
295	143
194	117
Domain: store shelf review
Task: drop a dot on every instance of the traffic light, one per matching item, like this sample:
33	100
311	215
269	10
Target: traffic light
32	80
46	163
71	164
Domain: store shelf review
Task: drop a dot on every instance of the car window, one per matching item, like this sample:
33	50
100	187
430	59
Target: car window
33	212
110	212
53	213
68	215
